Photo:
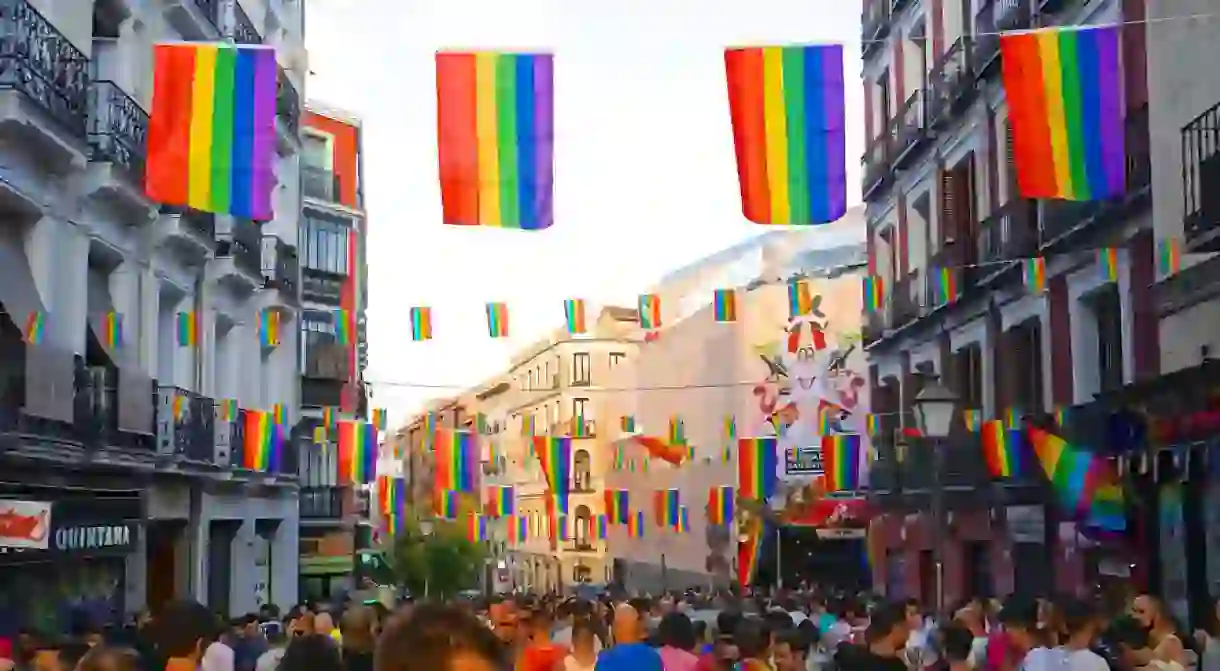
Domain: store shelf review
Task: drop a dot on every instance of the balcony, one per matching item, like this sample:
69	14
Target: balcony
188	233
877	163
281	268
909	129
325	359
995	16
321	287
952	83
319	184
874	24
43	86
1201	180
116	131
241	28
906	300
194	19
189	435
874	326
287	112
1009	234
588	429
239	256
113	409
321	504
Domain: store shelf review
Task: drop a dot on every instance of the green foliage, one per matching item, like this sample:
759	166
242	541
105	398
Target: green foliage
445	562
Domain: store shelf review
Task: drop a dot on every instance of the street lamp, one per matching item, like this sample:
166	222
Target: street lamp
935	408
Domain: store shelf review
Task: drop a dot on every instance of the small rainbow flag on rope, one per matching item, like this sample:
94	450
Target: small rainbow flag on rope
720	500
188	329
228	409
505	501
269	328
574	315
357	452
635	525
615	502
496	136
756	467
35	326
279	414
328	417
724	305
343	327
672	508
787	111
841	461
263	442
497	320
211	134
874	293
730	427
177	406
446	503
554	455
627	424
677	431
379	418
603	529
1169	256
1001	450
800	299
421	323
518	529
650	311
683	526
945	285
457	459
972	419
1033	274
475	531
1065	100
1086	484
112	329
1107	260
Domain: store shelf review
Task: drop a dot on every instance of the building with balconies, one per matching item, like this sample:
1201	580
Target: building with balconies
334	284
941	198
122	447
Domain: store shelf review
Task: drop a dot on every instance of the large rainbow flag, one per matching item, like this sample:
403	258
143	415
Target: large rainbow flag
1086	484
357	452
554	454
756	467
457	460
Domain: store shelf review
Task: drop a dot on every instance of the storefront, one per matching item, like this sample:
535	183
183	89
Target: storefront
63	560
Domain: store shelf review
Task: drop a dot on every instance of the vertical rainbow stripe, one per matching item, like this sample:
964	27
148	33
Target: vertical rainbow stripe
495	114
279	413
1001	449
870	424
1107	261
671	508
446	503
506	501
724	305
1065	101
211	134
457	460
1169	256
319	436
228	409
421	323
800	299
269	328
945	285
35	327
1013	418
874	293
554	455
720	501
328	417
357	451
650	311
188	329
841	461
343	327
497	320
603	528
616	505
756	467
787	109
1033	274
1061	417
635	525
683	526
574	315
112	330
1085	483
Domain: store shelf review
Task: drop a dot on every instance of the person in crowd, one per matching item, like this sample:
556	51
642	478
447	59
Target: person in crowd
109	658
311	652
358	626
884	638
753	638
219	656
582	654
629	653
1082	624
277	644
1167	648
703	637
791	650
182	632
248	642
1029	649
324	625
505	622
956	643
676	634
439	638
1208	640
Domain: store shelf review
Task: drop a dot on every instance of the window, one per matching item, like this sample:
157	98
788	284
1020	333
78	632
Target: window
580	368
580	407
1108	311
532	385
323	243
617	358
317	334
582	478
315	151
1027	343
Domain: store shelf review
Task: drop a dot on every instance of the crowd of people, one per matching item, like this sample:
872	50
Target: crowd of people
793	631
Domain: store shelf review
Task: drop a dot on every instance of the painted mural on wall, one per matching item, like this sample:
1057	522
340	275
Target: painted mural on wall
813	382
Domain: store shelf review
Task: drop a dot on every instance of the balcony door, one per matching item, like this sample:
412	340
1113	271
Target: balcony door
317	151
1107	310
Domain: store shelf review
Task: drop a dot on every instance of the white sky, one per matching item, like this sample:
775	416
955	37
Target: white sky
645	174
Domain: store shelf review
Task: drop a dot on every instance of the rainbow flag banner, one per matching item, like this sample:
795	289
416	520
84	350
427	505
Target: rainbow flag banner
874	293
635	525
457	460
112	330
497	320
476	529
211	134
1033	274
749	551
603	528
677	431
518	529
787	110
357	452
615	504
800	299
505	501
1086	484
756	467
421	323
574	315
672	508
720	500
1107	262
35	327
554	454
228	409
1065	106
496	138
1002	449
188	329
1169	256
724	302
683	526
650	312
944	285
841	462
269	328
263	442
379	418
343	327
627	424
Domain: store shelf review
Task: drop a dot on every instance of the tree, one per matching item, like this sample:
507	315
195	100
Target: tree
442	563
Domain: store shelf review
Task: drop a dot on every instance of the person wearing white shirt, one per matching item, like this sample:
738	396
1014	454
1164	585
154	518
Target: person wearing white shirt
1020	620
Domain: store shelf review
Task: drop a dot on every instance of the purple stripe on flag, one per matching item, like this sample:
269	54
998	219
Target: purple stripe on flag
262	168
833	114
544	134
1112	112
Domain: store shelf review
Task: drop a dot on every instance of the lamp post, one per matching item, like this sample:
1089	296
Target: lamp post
425	529
935	408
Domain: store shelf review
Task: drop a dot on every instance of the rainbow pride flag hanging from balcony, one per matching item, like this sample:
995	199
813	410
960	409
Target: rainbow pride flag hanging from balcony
343	327
554	454
787	110
269	328
841	460
457	458
1065	106
188	329
720	500
35	327
211	134
874	293
756	467
263	442
496	138
357	452
112	329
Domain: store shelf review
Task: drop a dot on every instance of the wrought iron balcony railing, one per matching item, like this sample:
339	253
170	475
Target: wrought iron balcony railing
244	245
288	102
994	17
951	82
321	503
906	300
281	269
210	10
118	129
243	30
186	425
874	24
909	129
40	62
877	162
1201	176
1010	233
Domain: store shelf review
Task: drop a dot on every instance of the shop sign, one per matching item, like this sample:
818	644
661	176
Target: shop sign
803	460
119	537
832	513
25	524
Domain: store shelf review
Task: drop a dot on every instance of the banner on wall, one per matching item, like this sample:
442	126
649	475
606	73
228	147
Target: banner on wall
834	518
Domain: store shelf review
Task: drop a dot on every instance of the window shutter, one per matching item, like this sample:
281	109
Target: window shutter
967	227
948	208
1010	162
